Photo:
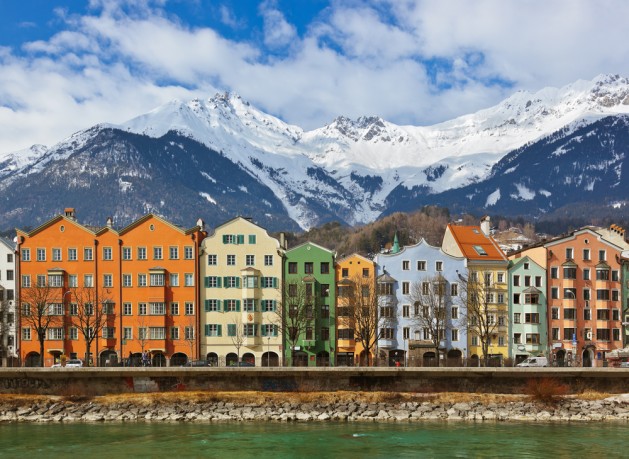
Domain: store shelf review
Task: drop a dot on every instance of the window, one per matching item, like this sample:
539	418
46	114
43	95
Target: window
569	313
586	273
325	311
232	305
212	282
616	334
516	318
127	309
569	253
438	265
554	313
570	293
615	314
602	256
587	314
425	288
55	334
602	334
602	294
56	254
386	311
406	287
249	305
142	333
174	279
531	298
231	329
188	280
292	267
269	305
157	280
173	252
231	282
157	253
454	289
271	282
602	314
531	318
406	265
73	280
157	333
308	267
157	309
141	309
55	280
454	334
107	254
516	281
212	305
516	298
108	280
213	330
189	306
109	332
74	333
26	256
250	260
454	312
615	275
421	265
555	334
406	333
406	310
325	290
586	254
569	272
532	338
88	254
127	333
614	295
41	254
174	332
268	260
252	239
325	333
88	280
474	340
26	334
501	278
501	341
325	267
26	280
212	259
554	272
554	293
250	330
517	338
126	253
188	252
141	253
602	274
142	280
231	260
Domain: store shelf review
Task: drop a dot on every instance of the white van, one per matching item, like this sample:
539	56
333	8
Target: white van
534	362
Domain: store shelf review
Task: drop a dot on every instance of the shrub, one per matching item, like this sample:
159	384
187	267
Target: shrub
547	391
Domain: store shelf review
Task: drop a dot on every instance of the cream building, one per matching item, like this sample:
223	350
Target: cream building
241	274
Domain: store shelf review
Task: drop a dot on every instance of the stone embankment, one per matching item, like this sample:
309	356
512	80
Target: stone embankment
212	409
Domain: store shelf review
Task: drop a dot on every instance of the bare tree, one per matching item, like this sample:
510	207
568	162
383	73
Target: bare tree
4	329
237	334
358	310
40	310
431	302
90	312
481	314
296	313
189	334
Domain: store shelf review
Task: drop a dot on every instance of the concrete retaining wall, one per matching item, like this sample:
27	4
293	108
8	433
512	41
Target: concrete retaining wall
101	381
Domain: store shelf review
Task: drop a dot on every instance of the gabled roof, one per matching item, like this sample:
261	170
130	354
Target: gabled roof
158	218
475	245
522	260
354	255
9	244
314	245
51	222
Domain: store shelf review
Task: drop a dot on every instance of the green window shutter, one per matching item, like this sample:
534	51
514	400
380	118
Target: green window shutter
263	330
274	330
206	281
237	305
207	307
207	330
252	239
231	329
275	282
225	282
274	305
255	305
241	239
220	330
218	281
238	282
225	238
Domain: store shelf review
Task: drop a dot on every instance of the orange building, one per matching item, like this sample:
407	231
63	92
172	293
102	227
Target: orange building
122	292
356	313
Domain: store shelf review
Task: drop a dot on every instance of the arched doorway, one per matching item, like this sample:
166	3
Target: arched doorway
474	361
560	358
365	359
158	360
396	358
32	360
249	358
300	359
178	359
270	359
134	360
231	359
429	359
323	359
108	358
454	358
588	357
212	359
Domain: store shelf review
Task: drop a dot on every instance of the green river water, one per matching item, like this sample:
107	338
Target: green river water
317	440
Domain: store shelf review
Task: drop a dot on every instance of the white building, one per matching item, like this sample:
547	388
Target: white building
8	342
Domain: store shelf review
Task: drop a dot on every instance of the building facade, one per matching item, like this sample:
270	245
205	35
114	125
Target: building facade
414	283
241	293
8	329
309	306
528	325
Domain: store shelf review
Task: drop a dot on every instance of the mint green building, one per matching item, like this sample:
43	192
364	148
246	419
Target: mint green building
309	298
528	324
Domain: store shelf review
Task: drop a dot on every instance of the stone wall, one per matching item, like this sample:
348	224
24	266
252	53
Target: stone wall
101	381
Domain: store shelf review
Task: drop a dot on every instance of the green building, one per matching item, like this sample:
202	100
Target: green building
309	306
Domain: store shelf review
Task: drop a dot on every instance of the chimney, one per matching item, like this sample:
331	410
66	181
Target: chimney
69	213
110	222
485	224
283	241
201	224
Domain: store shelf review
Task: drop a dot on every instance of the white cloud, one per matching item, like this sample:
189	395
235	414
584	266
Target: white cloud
357	58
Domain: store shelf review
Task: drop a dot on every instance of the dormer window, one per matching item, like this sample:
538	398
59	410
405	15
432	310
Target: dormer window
479	250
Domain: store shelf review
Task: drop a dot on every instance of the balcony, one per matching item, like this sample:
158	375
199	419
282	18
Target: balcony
386	343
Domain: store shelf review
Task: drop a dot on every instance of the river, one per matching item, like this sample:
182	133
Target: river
319	440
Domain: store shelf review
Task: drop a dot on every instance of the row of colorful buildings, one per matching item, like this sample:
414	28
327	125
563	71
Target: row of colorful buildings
238	296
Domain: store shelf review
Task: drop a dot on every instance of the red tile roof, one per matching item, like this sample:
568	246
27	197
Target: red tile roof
475	245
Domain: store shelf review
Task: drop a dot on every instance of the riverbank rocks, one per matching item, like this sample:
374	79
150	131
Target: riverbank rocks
58	409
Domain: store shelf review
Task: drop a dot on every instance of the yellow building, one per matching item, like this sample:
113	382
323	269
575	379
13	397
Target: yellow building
487	289
241	274
357	310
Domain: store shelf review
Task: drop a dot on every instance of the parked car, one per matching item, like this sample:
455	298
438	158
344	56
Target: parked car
534	362
197	363
70	363
624	364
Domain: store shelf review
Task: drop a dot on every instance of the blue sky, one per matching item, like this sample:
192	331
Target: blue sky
66	65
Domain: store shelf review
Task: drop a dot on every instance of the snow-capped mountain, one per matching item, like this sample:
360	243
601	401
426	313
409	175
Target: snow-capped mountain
349	170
